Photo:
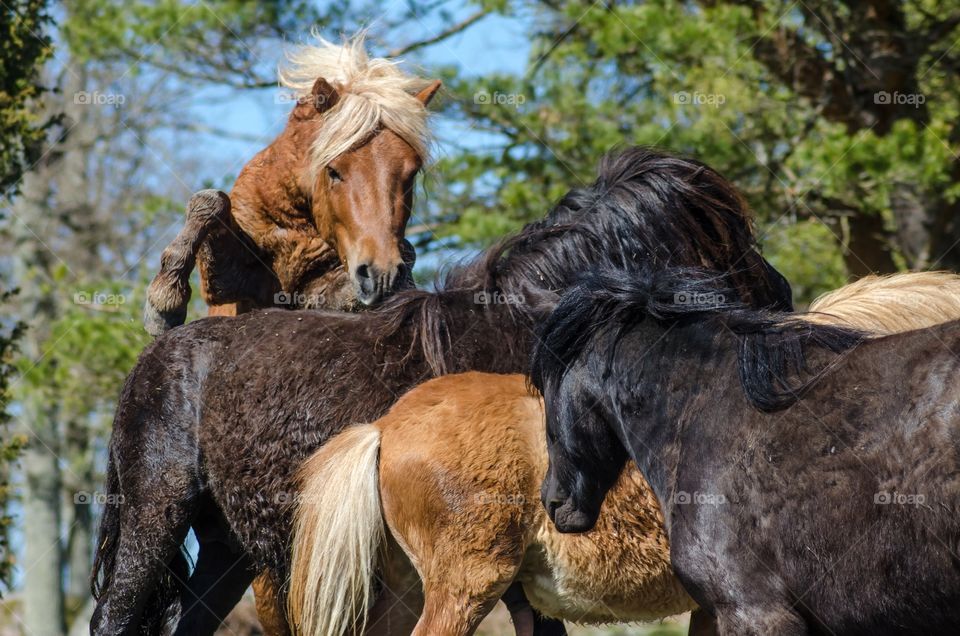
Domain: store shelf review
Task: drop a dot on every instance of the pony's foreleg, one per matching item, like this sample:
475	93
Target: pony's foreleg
702	623
169	292
447	613
526	620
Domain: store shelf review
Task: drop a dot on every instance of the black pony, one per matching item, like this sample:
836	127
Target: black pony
217	415
809	478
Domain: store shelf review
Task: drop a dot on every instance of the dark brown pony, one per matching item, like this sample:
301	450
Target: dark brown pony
317	218
216	417
808	477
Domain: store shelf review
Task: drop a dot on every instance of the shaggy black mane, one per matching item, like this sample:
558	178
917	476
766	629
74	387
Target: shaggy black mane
771	345
645	209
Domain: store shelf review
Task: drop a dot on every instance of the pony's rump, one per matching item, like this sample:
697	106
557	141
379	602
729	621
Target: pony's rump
891	304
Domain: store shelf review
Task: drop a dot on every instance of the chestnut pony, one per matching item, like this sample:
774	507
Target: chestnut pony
216	417
317	218
454	498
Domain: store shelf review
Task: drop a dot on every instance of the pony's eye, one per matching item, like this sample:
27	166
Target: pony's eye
334	175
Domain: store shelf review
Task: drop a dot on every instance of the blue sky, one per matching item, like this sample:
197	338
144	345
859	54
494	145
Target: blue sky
494	44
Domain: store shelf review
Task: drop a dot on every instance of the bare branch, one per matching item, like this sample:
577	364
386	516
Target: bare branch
451	30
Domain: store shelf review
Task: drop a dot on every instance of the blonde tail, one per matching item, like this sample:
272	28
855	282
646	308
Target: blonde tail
338	532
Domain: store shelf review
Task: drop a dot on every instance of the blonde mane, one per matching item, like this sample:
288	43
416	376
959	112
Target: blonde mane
374	94
891	304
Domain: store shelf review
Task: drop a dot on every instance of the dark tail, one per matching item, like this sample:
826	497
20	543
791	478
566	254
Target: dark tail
163	606
109	537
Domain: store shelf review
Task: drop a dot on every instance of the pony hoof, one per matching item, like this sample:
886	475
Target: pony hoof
157	322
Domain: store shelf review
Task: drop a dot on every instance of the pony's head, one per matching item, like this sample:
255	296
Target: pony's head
366	124
585	457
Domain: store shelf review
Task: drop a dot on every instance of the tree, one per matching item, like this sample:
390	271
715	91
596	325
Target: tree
835	118
24	48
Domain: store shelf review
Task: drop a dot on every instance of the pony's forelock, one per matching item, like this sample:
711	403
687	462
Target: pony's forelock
374	93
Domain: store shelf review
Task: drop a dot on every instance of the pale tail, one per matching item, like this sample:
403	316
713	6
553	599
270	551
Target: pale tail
338	533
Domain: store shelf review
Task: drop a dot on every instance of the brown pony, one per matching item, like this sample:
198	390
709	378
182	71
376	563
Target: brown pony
448	483
317	218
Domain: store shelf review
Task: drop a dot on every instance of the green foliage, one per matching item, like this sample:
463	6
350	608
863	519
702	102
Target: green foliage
94	344
10	445
213	41
24	47
807	252
699	78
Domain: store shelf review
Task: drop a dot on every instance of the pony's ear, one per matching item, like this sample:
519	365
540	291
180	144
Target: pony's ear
323	96
427	94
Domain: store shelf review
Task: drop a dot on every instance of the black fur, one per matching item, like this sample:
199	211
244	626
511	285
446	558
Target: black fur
771	344
830	509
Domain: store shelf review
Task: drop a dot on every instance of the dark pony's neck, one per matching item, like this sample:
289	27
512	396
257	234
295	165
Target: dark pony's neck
681	310
645	210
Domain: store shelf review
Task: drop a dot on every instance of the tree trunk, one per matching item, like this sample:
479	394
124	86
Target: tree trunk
43	600
54	186
43	555
79	515
867	246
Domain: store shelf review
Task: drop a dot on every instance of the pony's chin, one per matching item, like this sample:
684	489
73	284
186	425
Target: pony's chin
568	519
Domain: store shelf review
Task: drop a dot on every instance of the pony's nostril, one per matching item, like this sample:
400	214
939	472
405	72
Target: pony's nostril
363	271
552	506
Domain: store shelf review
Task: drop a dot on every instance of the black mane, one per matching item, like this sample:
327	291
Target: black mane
645	209
771	345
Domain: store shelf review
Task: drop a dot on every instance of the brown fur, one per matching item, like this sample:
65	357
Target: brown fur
462	458
283	231
461	461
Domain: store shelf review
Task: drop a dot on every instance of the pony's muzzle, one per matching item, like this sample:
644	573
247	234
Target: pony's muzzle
375	283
